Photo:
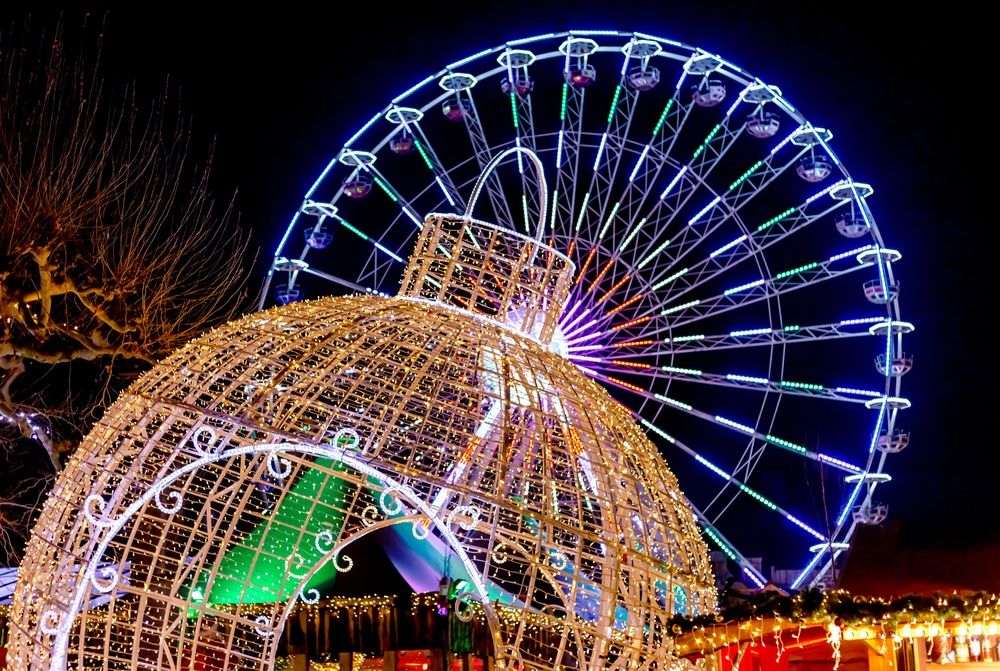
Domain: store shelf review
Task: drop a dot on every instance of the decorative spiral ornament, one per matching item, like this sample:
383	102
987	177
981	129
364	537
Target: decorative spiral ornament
342	569
296	561
205	441
499	554
313	595
109	573
465	598
176	497
93	509
469	517
278	466
421	529
261	631
324	538
558	560
389	502
49	622
347	439
369	515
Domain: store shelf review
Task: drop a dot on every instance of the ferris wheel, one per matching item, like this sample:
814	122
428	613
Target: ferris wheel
732	288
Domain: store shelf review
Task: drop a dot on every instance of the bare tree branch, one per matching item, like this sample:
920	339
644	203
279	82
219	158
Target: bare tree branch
113	251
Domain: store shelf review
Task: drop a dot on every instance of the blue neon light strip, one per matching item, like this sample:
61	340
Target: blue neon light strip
742	287
368	125
611	217
532	39
747	332
361	235
727	246
458	64
673	182
638	164
631	235
704	211
284	238
653	255
413	88
447	195
600	151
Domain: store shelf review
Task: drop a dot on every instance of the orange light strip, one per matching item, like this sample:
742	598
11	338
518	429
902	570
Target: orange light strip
467	453
623	305
574	440
572	244
630	364
601	275
586	263
639	320
626	385
633	343
614	288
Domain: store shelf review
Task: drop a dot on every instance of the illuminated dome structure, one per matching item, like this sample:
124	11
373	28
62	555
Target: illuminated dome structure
219	486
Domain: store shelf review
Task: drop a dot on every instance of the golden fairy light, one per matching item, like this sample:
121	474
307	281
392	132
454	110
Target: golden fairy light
206	502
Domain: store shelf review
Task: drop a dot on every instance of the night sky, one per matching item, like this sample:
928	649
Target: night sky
281	91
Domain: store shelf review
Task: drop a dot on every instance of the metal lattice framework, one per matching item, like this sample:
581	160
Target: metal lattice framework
732	289
227	478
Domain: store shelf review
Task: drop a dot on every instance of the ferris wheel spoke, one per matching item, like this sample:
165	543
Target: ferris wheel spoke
728	548
730	478
794	279
518	86
714	147
731	425
609	157
567	162
461	85
430	158
734	380
753	337
742	248
666	256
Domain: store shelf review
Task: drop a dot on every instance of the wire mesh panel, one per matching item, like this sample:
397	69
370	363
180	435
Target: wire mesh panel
232	474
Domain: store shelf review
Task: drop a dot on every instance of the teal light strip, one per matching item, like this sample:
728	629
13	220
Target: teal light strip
796	271
781	442
385	188
697	152
423	154
718	542
652	256
614	103
745	176
658	285
772	221
663	117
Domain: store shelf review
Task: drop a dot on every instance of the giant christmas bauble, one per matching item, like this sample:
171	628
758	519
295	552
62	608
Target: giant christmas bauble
227	477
